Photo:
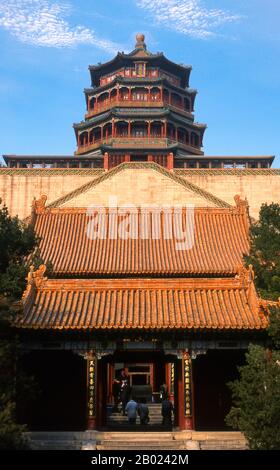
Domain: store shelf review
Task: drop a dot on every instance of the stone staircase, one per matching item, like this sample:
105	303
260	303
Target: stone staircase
45	440
137	441
222	441
119	422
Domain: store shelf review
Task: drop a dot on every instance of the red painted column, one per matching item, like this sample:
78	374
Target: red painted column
170	161
106	161
129	128
101	395
150	158
91	390
127	158
161	94
110	384
149	129
165	130
185	408
167	376
113	128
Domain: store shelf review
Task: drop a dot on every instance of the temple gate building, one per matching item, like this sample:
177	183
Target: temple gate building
145	237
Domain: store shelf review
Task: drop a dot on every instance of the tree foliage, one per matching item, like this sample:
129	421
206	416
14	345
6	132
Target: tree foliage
17	241
256	395
17	244
265	251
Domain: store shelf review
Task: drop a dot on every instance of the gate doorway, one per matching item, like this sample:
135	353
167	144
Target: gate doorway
139	374
146	372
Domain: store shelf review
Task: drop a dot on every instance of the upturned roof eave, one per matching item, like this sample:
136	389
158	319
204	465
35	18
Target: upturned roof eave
133	56
136	80
121	112
183	70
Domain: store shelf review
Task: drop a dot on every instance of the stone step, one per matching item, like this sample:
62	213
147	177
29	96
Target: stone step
116	419
63	435
154	429
223	445
152	412
56	445
159	447
115	415
136	436
125	422
154	439
137	440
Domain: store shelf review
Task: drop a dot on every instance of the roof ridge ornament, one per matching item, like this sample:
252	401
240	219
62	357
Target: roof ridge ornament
39	205
241	204
245	275
37	277
35	280
140	42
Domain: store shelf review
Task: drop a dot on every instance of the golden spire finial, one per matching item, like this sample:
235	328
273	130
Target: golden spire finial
140	41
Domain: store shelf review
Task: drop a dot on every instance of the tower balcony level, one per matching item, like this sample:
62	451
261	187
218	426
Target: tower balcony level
124	103
137	143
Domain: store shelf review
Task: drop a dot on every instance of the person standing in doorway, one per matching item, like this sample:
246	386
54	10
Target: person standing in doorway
124	389
163	392
116	394
166	411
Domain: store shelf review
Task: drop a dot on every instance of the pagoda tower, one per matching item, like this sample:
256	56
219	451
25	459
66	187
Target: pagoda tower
139	108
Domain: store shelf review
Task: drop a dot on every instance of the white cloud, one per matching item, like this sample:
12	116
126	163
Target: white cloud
189	17
42	23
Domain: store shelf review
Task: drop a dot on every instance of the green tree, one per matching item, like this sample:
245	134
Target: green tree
265	251
17	244
256	395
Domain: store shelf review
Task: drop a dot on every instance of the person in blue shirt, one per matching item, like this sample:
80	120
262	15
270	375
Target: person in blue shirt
131	410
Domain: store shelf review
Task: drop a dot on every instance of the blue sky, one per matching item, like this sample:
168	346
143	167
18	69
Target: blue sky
233	46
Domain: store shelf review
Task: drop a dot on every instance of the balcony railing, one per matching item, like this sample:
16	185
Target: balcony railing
132	142
123	103
133	104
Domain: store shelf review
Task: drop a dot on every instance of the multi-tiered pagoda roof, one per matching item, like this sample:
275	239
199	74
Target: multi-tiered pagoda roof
139	107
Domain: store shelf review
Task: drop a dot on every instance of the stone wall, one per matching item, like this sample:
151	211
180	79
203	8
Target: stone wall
258	186
136	187
19	187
